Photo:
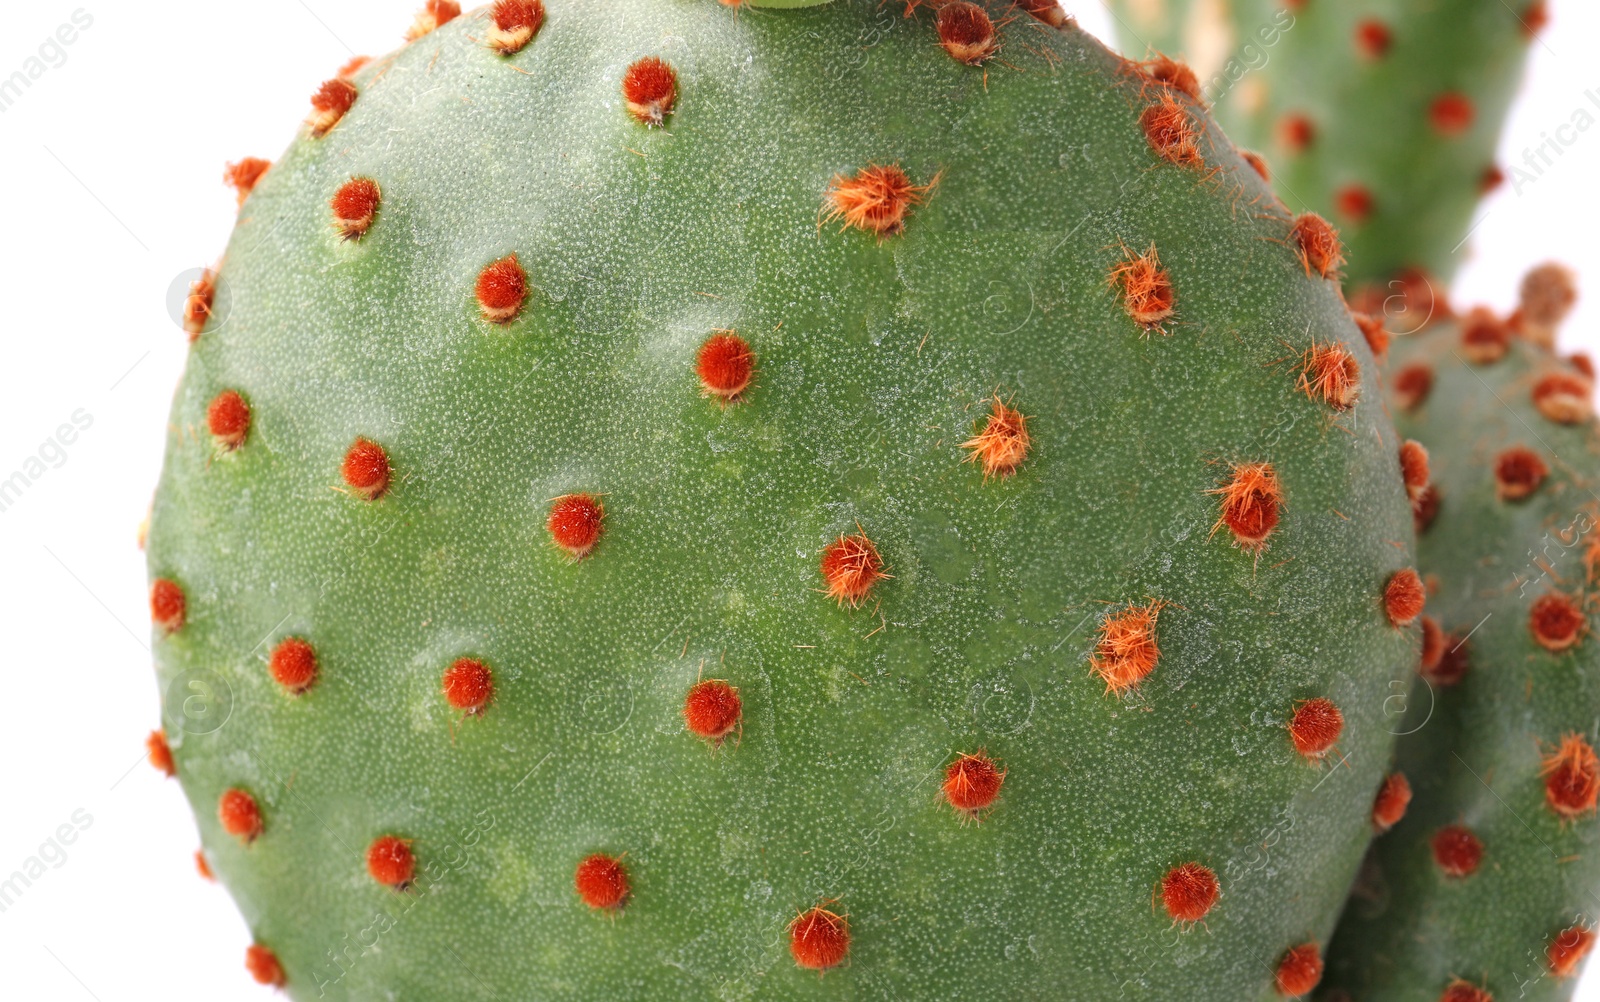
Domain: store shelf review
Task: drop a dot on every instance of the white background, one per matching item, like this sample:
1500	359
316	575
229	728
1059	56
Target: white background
110	188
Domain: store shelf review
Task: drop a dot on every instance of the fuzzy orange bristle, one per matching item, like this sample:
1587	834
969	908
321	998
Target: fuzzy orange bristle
1127	652
468	685
851	566
876	199
1571	777
1330	373
649	90
1147	294
1002	445
1252	501
1171	133
1317	244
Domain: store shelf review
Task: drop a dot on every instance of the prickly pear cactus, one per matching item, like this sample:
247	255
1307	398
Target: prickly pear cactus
1381	115
678	501
1489	883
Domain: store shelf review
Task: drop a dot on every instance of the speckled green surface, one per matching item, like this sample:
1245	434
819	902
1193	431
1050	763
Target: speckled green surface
874	360
1262	61
1473	750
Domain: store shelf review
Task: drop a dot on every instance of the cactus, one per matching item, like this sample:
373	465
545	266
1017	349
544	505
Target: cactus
699	502
1381	116
1488	885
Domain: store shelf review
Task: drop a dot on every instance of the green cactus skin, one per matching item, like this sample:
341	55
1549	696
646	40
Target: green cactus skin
1473	750
1370	113
875	359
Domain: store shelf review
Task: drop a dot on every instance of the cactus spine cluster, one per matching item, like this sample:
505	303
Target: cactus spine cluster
688	498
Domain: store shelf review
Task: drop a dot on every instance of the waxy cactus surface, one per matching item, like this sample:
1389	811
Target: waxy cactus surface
987	438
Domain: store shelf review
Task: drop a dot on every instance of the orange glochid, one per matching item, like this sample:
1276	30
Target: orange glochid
1002	444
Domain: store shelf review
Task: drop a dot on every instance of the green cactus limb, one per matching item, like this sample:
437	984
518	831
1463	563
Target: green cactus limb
1381	115
381	489
1503	750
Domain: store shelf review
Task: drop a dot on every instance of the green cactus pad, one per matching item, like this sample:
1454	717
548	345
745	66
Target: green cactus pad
1479	745
877	355
1401	105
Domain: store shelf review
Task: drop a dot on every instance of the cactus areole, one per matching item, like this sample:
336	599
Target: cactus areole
509	524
